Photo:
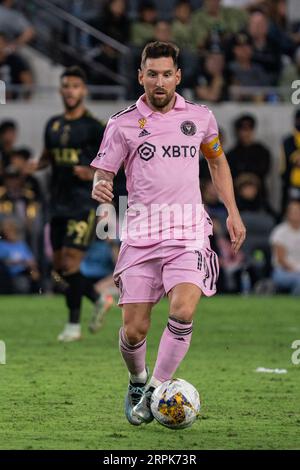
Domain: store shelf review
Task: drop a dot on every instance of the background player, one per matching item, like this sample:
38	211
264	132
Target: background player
71	139
159	172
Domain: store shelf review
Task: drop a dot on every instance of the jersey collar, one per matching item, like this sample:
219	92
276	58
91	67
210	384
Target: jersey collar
146	111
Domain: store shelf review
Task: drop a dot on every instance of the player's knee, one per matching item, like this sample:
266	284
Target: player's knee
70	263
135	333
182	311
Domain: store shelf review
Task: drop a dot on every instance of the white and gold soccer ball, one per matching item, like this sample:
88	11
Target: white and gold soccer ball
175	404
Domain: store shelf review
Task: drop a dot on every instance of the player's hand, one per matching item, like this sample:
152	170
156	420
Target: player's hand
102	191
237	231
83	172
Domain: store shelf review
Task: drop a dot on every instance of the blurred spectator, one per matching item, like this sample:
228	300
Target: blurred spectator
211	82
279	28
231	264
285	241
14	70
249	195
19	159
248	155
99	261
290	73
18	199
14	25
18	269
114	21
142	30
215	19
163	31
259	220
8	137
181	26
214	207
290	164
266	52
243	72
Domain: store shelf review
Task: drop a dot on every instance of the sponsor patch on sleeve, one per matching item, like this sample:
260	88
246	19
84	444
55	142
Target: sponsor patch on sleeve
212	149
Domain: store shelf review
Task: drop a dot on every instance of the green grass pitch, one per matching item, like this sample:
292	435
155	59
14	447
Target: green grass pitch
56	396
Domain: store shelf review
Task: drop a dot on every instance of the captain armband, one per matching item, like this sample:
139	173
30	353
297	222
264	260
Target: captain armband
212	149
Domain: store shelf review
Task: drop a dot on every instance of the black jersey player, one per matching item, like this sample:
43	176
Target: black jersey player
71	141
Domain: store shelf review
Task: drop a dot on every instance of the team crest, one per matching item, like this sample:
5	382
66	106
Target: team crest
142	123
188	128
55	126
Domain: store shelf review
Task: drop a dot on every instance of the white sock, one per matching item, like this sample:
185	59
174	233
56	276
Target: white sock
154	383
139	378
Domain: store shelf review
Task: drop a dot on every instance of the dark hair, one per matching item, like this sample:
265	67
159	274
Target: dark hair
183	2
74	71
7	125
245	118
146	5
157	49
22	152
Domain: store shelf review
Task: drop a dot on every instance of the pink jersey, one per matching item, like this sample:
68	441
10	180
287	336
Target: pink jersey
160	153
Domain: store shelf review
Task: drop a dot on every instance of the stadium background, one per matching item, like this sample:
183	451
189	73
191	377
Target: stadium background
239	333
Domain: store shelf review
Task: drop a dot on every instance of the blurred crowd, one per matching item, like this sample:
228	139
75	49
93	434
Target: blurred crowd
269	260
230	50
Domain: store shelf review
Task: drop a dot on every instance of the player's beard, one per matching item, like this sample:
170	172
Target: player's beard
161	102
71	107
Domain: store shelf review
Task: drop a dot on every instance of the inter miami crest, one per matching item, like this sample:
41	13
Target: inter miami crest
188	128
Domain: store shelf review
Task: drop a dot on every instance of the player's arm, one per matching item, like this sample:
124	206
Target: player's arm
222	180
103	186
112	153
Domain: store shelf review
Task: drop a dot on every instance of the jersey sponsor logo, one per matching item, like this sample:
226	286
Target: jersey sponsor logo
188	128
144	133
175	151
142	122
66	156
146	151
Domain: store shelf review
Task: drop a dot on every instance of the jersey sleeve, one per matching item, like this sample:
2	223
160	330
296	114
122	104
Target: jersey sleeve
211	146
113	149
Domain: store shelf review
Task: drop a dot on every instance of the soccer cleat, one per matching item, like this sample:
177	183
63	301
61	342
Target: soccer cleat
102	306
134	394
71	332
142	410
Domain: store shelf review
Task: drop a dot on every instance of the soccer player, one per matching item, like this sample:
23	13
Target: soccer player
71	139
158	141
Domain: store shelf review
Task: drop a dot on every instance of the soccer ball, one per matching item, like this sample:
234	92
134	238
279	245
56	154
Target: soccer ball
175	404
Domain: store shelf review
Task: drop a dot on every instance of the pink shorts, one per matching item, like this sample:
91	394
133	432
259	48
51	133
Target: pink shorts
146	274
